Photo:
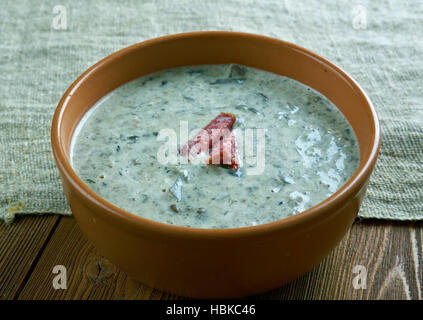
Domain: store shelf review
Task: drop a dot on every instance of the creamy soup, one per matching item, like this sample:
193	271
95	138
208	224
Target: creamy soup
309	149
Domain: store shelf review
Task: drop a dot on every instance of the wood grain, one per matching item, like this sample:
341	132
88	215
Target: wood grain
90	276
391	253
21	244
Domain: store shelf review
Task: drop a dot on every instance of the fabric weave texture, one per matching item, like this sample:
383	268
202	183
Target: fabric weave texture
379	43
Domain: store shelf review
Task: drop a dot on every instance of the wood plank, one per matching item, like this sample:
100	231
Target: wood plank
389	251
21	244
90	276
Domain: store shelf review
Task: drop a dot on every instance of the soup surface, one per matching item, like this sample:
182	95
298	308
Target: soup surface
301	148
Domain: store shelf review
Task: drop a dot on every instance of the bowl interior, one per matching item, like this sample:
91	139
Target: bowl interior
261	53
221	48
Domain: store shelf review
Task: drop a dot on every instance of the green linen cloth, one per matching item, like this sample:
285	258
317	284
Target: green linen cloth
380	43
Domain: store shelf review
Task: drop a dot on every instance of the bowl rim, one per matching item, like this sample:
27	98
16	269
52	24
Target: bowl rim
132	221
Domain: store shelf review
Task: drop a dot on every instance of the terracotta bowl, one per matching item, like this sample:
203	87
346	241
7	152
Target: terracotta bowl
215	263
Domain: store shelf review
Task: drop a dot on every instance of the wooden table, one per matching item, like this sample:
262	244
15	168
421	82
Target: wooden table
390	252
